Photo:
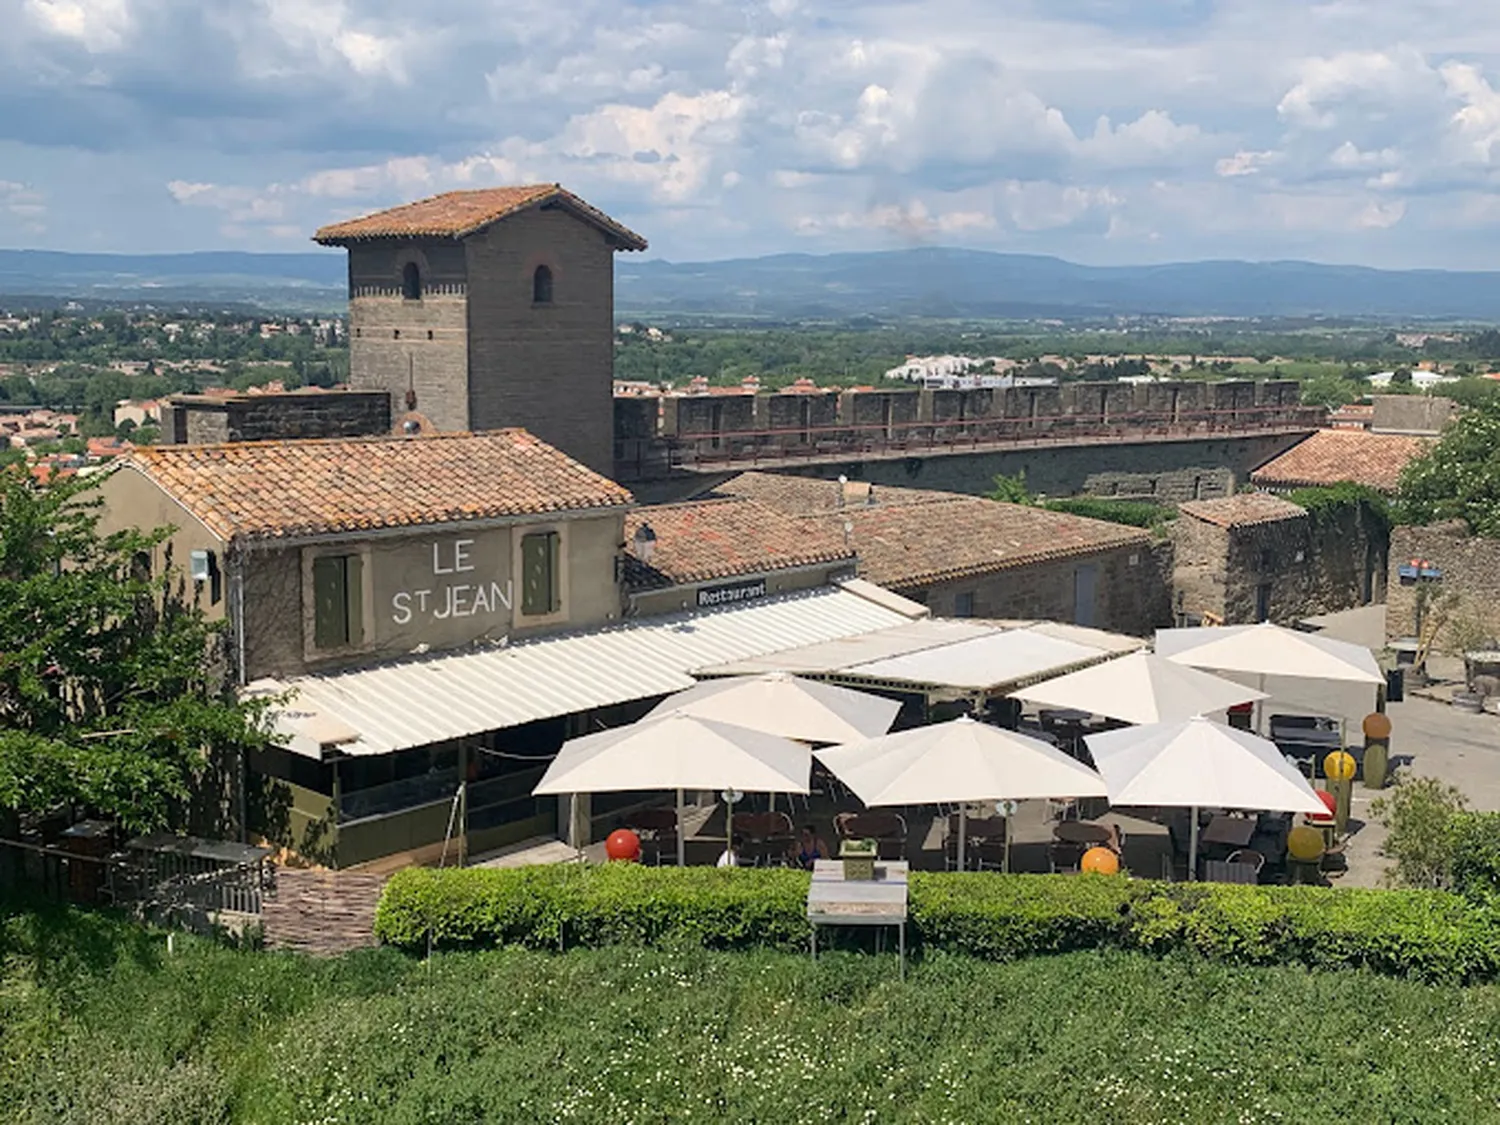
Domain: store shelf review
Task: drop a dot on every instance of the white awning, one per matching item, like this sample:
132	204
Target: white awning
442	697
961	656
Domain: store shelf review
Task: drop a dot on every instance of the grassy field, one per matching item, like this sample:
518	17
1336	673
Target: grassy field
99	1024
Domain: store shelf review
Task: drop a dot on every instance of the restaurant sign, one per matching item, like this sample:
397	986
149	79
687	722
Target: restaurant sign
731	593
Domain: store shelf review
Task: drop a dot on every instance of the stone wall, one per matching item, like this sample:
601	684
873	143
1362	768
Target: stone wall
548	367
1067	470
1470	568
1171	486
1412	414
277	417
1132	590
419	346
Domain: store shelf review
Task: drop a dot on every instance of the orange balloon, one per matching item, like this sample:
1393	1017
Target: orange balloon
1377	727
1101	861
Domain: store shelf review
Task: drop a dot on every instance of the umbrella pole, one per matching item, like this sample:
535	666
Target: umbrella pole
681	834
1005	865
963	833
1193	846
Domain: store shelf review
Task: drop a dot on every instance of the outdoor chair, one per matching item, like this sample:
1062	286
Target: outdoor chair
1249	857
767	837
1222	871
1065	856
657	829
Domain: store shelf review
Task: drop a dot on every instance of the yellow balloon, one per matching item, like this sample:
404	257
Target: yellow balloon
1304	843
1338	766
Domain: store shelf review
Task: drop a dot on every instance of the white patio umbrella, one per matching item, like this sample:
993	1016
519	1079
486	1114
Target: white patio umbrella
677	751
957	761
1269	650
1197	763
780	703
1140	688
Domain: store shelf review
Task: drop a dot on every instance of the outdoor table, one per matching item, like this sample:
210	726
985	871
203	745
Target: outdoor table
834	901
1080	832
1231	831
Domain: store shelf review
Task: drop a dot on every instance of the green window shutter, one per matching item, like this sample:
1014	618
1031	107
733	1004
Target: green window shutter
541	565
535	560
354	599
330	602
554	572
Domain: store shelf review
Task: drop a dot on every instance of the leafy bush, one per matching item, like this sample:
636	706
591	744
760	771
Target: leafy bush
564	906
1426	934
1419	815
1475	864
1133	513
1328	504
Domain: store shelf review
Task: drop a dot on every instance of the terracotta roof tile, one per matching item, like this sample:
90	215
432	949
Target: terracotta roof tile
1243	510
294	489
1334	456
810	496
707	539
457	214
908	545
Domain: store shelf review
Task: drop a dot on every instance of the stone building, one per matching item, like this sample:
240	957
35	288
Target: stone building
707	553
1257	557
1241	559
964	556
477	310
1331	457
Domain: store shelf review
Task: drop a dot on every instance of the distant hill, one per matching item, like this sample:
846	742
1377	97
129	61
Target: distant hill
972	283
929	282
311	280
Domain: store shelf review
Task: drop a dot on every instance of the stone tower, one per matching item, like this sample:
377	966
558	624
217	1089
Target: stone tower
483	309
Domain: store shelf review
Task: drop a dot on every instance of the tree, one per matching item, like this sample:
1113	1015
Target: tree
1459	477
1329	390
1012	490
113	691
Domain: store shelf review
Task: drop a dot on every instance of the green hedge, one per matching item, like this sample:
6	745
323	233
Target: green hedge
1474	841
1431	935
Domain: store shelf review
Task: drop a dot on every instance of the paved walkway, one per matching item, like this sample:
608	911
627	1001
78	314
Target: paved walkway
1429	738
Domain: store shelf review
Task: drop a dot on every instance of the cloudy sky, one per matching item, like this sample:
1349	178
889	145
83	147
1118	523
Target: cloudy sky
1099	130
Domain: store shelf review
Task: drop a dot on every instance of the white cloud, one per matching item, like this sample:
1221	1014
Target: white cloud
1244	163
97	25
728	127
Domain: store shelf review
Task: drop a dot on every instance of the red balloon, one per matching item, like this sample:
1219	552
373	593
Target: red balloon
623	845
1330	802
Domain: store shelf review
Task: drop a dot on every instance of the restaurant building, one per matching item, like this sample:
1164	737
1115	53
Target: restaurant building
441	609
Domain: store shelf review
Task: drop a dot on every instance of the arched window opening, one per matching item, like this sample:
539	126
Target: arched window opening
411	282
541	286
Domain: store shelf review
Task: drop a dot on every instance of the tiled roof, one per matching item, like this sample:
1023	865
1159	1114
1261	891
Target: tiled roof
810	496
292	489
456	214
906	545
1243	510
707	539
1334	456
